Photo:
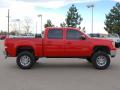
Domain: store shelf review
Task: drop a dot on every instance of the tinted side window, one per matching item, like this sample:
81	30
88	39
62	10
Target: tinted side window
55	34
73	35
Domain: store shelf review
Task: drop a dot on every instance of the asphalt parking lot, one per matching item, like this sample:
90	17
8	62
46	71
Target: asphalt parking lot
58	74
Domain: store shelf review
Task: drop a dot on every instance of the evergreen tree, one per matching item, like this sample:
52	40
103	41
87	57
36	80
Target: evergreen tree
63	24
83	30
48	24
112	22
73	18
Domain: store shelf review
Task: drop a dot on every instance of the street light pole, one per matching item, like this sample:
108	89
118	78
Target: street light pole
41	24
36	28
41	21
18	20
92	18
91	6
8	20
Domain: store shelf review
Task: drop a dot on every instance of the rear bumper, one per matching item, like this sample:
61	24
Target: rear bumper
113	53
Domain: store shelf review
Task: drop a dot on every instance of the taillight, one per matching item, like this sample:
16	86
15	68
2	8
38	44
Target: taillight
5	47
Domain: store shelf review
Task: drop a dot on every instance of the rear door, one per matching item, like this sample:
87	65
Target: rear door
54	43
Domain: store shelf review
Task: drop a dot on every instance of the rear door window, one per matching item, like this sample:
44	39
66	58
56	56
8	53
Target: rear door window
55	34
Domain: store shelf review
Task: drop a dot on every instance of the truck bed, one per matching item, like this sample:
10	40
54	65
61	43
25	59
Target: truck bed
13	43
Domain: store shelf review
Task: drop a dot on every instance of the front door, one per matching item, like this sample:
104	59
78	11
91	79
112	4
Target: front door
74	45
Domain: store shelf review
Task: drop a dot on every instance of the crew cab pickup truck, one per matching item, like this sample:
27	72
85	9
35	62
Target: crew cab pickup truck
61	43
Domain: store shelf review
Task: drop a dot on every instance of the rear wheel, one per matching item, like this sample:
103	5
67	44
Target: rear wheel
25	60
101	60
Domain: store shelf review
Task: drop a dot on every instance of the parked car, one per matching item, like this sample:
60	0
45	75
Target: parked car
115	38
97	35
61	43
20	36
2	37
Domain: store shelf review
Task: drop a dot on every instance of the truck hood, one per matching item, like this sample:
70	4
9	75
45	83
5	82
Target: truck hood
101	39
102	42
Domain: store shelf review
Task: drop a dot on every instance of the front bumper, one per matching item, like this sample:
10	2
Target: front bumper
113	53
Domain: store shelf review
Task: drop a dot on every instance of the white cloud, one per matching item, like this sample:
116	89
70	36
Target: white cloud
116	0
22	8
98	27
18	10
55	3
4	3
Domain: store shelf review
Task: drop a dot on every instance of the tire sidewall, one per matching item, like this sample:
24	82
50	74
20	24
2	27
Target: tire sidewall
94	58
32	60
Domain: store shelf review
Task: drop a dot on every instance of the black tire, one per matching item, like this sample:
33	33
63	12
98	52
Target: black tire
96	60
22	56
89	60
117	46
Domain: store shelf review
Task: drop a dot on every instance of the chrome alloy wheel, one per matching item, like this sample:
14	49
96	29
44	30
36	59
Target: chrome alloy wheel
25	60
101	61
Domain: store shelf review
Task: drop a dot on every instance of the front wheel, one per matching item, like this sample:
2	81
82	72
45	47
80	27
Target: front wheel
101	60
25	60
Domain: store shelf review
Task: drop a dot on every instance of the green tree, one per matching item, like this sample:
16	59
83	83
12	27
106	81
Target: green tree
83	30
73	18
27	24
48	24
112	22
63	24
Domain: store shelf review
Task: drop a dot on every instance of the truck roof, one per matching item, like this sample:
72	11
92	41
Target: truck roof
62	28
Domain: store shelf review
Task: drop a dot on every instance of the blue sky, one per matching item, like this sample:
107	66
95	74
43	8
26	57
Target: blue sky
101	8
56	10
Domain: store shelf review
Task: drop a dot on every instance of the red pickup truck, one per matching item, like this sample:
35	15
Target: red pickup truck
61	43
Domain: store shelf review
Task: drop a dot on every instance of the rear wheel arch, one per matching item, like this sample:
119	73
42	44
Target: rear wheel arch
24	48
